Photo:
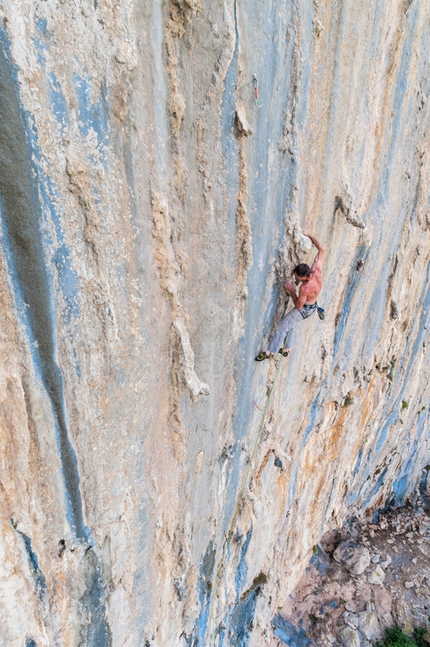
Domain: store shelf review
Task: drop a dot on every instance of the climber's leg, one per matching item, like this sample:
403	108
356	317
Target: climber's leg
285	325
289	339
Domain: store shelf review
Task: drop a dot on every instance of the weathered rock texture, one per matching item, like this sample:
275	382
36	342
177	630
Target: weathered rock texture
149	212
331	607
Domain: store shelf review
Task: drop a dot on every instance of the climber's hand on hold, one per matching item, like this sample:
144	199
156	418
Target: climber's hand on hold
305	233
290	287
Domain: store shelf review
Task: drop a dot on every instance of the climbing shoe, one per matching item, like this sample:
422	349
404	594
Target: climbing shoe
263	355
284	352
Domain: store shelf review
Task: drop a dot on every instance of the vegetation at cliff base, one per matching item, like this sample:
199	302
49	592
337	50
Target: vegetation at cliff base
394	637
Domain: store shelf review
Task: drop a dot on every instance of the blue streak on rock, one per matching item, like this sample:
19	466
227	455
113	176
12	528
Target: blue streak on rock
67	277
205	586
398	122
40	52
42	26
320	560
38	576
288	633
391	410
374	489
405	482
314	410
21	186
97	632
230	151
230	147
23	245
354	279
92	115
242	567
56	97
61	255
376	315
58	103
242	618
266	210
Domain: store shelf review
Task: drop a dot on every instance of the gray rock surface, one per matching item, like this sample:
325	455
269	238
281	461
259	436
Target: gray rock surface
353	556
150	211
349	637
329	597
369	625
377	576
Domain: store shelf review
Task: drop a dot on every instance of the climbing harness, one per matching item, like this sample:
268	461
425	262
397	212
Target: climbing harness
257	100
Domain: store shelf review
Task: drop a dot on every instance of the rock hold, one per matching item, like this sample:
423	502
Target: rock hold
369	625
195	386
242	125
349	637
354	557
377	577
125	55
343	203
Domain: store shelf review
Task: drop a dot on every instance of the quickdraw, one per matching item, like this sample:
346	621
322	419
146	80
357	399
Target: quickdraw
256	406
257	100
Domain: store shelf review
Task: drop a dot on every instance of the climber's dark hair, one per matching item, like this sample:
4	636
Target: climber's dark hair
302	270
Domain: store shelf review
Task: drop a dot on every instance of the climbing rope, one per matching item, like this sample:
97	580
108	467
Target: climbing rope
245	483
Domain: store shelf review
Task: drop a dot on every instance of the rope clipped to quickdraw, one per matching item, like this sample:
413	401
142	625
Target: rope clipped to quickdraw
245	482
257	100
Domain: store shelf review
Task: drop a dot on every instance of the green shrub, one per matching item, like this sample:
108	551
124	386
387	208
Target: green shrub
394	637
421	637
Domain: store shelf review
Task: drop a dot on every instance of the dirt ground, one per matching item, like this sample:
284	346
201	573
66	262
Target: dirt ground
333	606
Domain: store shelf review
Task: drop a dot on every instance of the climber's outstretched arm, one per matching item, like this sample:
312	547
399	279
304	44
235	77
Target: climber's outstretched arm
319	258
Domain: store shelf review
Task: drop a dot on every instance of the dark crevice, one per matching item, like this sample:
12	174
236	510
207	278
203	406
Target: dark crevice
38	576
96	633
22	243
205	590
21	238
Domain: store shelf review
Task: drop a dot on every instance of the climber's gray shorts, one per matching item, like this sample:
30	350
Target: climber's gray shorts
286	327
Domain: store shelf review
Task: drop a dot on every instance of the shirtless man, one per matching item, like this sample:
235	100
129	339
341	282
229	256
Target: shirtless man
305	303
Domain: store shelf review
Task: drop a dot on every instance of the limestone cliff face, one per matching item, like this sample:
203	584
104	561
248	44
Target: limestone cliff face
150	210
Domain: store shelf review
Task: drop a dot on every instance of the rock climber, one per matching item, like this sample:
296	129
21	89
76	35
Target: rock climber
305	303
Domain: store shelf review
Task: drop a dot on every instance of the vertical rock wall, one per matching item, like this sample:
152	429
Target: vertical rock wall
150	210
